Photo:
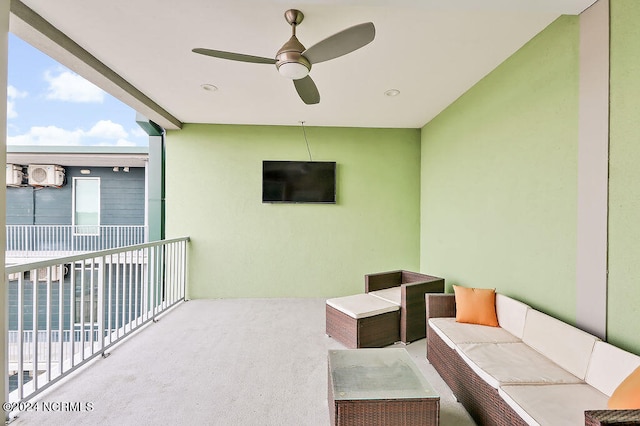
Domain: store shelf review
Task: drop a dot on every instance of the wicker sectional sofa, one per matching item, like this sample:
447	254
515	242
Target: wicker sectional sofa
533	369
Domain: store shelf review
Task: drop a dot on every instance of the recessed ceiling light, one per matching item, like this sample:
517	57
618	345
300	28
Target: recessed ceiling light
209	87
392	92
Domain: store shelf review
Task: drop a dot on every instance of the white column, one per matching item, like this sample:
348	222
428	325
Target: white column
4	34
593	170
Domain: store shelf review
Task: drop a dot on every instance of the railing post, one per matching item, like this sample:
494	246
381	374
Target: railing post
72	312
152	281
20	335
144	284
101	298
183	244
48	310
82	309
34	326
109	297
61	319
131	283
117	300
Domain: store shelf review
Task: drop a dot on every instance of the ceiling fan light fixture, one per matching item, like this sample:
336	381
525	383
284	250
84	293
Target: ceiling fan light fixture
293	70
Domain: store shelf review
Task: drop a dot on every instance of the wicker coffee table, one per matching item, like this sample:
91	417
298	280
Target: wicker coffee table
369	387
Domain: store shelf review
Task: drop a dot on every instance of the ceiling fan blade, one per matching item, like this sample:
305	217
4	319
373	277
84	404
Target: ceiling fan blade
307	90
234	56
341	43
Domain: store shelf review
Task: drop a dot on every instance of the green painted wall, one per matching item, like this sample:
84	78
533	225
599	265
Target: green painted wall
499	178
624	177
243	248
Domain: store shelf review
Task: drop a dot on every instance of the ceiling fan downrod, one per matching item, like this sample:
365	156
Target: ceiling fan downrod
290	62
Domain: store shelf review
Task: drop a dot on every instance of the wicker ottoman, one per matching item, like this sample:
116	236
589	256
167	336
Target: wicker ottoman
363	321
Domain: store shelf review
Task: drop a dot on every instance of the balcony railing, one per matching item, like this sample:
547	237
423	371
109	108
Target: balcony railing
29	241
67	311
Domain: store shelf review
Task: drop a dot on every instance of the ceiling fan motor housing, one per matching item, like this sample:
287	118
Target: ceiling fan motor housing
291	63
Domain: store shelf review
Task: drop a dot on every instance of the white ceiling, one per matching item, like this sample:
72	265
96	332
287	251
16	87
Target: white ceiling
430	50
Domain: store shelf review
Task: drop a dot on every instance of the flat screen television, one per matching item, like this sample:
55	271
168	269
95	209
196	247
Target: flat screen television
299	182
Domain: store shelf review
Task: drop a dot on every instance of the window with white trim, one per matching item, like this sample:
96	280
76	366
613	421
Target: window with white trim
86	205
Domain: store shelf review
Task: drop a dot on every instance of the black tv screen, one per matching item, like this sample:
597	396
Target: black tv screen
298	182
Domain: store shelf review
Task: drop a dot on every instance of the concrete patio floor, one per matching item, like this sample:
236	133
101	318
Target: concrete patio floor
216	362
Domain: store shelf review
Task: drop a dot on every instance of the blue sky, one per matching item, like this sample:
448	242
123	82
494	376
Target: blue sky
47	104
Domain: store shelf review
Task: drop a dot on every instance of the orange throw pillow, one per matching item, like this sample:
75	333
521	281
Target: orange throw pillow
627	394
476	305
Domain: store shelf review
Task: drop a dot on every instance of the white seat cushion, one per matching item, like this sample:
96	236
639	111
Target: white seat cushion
510	363
567	346
553	405
609	366
362	305
392	295
454	333
511	314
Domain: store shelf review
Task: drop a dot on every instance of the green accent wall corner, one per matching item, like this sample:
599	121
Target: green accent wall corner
624	177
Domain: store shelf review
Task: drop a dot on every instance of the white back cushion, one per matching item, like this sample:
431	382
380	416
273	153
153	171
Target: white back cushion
567	346
511	314
609	366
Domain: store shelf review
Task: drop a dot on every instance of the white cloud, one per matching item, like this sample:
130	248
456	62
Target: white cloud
12	95
49	135
103	133
107	129
68	86
11	109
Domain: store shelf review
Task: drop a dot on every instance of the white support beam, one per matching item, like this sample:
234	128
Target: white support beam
593	171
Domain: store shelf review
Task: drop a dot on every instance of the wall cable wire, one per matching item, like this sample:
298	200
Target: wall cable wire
305	139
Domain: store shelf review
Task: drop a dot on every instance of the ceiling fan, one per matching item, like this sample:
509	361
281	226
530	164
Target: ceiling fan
294	61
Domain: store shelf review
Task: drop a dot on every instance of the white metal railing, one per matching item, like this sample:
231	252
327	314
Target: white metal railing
54	240
66	311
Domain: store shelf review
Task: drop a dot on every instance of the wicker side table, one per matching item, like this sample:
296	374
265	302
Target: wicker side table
376	387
